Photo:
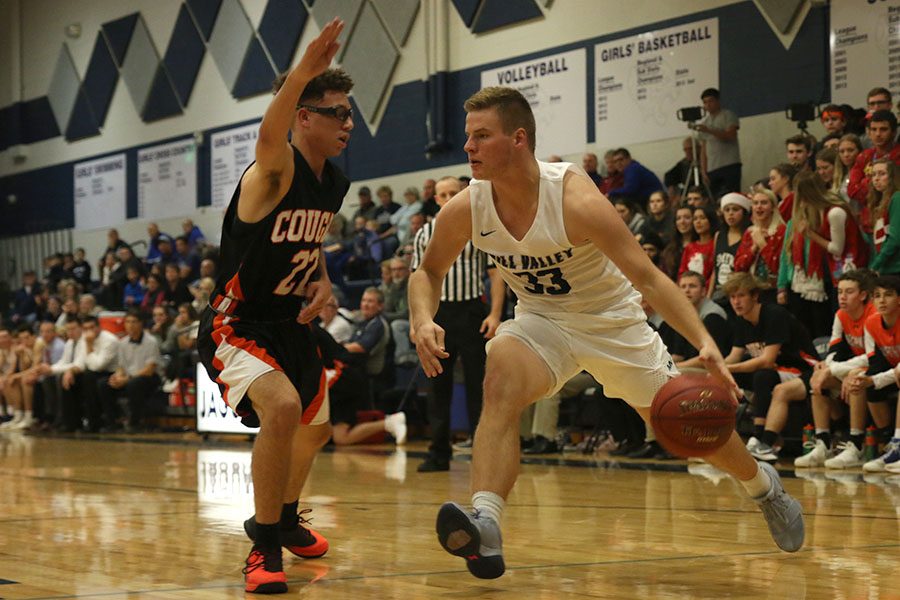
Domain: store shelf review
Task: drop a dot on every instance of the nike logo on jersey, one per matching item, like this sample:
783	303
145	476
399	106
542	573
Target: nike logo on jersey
487	233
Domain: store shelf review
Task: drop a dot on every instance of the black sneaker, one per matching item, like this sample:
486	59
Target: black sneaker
432	465
472	536
299	540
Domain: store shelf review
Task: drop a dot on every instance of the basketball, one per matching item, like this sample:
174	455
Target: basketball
692	415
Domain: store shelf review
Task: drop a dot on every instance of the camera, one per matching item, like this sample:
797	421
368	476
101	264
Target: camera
689	114
801	111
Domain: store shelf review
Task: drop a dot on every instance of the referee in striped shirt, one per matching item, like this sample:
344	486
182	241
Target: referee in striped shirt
465	319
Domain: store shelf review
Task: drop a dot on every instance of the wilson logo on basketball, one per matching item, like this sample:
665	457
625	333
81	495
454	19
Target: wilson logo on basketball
700	435
702	404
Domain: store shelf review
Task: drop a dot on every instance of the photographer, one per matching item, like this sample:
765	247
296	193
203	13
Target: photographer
720	152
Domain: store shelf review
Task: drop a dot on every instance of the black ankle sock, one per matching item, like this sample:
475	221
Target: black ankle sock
858	440
289	515
884	434
769	437
267	536
825	437
758	431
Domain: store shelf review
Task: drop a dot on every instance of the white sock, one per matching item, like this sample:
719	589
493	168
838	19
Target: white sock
897	433
759	485
488	504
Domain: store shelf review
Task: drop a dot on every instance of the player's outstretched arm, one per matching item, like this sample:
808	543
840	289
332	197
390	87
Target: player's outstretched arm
273	169
452	229
589	216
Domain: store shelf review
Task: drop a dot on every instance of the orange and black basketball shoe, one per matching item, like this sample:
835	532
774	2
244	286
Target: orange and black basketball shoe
299	539
264	573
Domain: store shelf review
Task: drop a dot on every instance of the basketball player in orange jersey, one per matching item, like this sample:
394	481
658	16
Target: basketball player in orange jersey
255	338
574	266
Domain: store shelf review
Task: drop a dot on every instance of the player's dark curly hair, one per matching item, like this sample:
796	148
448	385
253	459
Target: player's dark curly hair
332	80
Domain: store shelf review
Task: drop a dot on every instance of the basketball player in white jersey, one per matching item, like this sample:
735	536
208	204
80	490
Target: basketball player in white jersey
577	270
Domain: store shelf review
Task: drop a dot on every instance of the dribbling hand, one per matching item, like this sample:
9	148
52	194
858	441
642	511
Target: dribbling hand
317	293
429	340
712	360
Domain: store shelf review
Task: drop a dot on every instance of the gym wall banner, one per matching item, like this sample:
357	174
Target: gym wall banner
213	415
554	86
167	180
231	151
642	80
100	192
865	49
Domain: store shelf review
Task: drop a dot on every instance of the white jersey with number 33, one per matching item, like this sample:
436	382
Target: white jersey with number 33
546	271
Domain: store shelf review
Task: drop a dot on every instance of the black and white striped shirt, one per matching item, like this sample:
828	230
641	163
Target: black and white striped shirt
465	279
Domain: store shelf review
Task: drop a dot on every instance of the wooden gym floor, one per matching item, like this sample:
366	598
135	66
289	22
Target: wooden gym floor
160	517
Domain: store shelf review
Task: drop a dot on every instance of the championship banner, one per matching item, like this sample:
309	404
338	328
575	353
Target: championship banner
865	49
100	192
231	151
642	80
167	180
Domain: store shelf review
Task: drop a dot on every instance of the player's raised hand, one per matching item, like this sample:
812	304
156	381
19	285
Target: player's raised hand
321	51
712	360
429	340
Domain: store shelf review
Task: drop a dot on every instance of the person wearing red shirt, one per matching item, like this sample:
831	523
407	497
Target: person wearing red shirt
760	248
882	131
698	255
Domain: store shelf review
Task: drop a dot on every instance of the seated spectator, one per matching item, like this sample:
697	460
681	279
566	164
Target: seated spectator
639	181
69	313
175	291
386	208
879	381
193	234
369	341
683	234
835	123
779	350
69	291
52	373
202	293
799	151
134	289
53	310
614	178
19	380
54	272
697	197
166	253
884	211
675	178
108	266
7	413
348	387
633	217
154	236
848	150
181	342
135	377
659	216
113	243
882	131
589	163
396	310
846	352
160	323
400	220
154	295
781	178
208	268
760	250
698	255
25	304
539	423
48	351
95	355
87	305
714	319
652	245
119	274
430	206
81	269
825	161
832	141
337	321
187	259
364	252
736	217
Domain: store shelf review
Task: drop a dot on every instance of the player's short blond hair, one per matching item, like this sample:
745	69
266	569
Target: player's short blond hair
511	106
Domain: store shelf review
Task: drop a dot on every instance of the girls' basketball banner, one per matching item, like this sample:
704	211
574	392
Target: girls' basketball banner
642	80
213	415
231	151
100	192
554	86
167	180
865	49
